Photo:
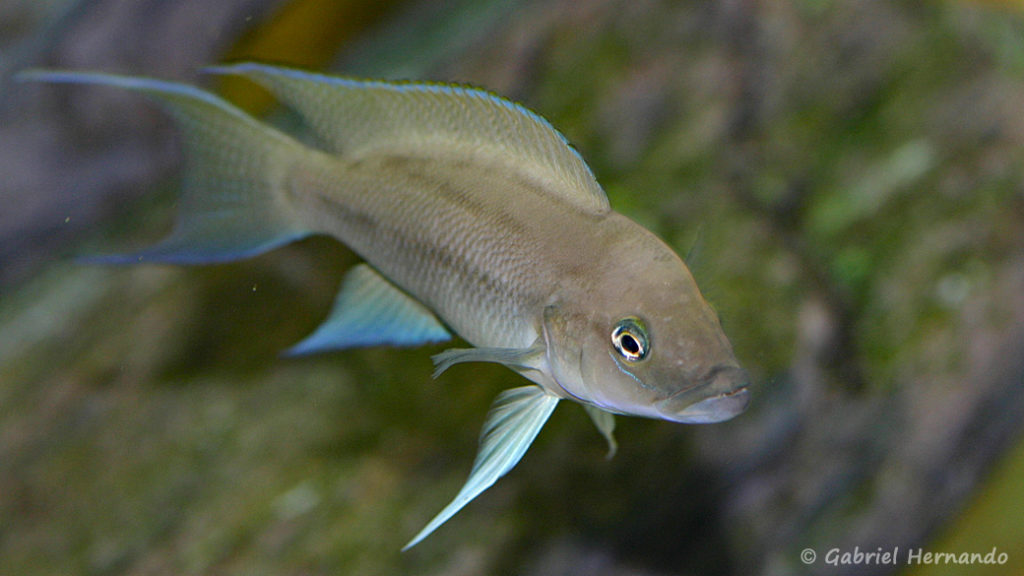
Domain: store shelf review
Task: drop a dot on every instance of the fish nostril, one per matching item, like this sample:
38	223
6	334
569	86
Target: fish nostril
727	378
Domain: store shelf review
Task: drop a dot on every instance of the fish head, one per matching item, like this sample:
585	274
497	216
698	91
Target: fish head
643	341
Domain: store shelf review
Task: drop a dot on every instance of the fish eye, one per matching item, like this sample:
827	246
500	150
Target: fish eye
629	337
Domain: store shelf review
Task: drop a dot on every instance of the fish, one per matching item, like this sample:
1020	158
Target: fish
473	217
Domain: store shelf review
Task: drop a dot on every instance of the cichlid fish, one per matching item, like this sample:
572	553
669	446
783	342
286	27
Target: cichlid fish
473	216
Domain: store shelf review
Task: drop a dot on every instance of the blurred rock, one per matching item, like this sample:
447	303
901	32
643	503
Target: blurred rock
852	170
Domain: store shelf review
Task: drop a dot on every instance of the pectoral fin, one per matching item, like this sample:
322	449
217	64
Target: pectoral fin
518	359
371	311
512	423
605	422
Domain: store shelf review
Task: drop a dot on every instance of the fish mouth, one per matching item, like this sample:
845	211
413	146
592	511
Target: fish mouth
725	395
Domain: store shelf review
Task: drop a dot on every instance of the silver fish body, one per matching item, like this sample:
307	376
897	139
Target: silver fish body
464	254
473	215
494	256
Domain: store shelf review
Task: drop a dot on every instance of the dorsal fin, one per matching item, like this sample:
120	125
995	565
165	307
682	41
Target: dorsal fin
355	117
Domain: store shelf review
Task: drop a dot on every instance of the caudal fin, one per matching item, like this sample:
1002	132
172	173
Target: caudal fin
231	204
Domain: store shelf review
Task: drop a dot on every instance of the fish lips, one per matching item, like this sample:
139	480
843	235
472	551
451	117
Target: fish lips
724	395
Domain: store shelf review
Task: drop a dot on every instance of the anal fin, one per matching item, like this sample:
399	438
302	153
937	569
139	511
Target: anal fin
371	311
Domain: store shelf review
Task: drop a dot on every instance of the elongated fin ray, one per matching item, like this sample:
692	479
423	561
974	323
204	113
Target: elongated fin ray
518	359
230	205
358	116
371	311
605	422
513	422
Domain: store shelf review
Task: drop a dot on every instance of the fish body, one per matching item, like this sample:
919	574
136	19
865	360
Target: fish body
473	216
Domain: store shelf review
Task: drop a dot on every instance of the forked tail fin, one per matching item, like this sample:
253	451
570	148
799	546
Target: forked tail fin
232	204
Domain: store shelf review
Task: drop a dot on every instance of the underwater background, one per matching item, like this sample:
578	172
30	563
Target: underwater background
846	177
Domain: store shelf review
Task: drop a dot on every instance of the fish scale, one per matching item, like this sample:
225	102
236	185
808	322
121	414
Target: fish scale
490	270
